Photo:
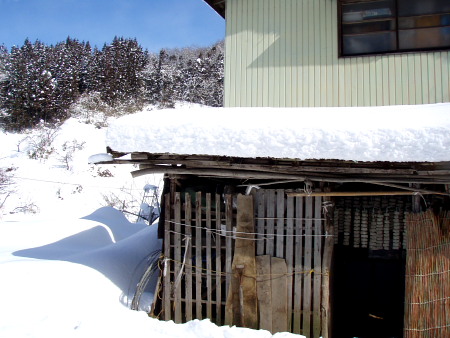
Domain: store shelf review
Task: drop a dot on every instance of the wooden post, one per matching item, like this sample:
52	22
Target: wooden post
177	257
317	267
270	250
279	252
218	262
241	305
261	212
167	255
198	256
188	268
208	257
290	256
298	264
326	269
307	306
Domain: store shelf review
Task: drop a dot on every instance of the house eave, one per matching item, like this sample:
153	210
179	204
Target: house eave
218	6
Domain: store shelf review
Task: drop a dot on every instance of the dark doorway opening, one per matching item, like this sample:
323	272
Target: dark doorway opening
368	293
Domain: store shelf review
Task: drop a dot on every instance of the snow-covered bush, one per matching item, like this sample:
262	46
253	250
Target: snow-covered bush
91	109
5	185
40	142
67	151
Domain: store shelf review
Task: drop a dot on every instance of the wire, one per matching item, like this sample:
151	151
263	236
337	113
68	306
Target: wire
224	233
75	184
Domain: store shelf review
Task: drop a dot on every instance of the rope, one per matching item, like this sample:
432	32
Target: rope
178	279
207	272
224	233
261	237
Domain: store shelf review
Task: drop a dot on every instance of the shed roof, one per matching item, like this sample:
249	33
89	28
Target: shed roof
396	144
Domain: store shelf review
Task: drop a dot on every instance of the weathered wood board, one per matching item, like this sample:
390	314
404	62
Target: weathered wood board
241	307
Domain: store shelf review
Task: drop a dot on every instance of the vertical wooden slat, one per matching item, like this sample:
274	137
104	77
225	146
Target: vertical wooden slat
260	223
208	257
298	265
198	255
317	316
278	270
178	259
264	292
166	272
270	250
326	268
218	262
290	255
229	239
188	268
280	224
307	267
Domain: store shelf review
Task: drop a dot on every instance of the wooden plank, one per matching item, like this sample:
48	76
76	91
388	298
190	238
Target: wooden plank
326	269
270	250
279	295
260	223
280	224
178	259
317	315
198	256
188	268
264	292
241	305
218	268
208	257
167	308
229	238
290	255
298	265
307	267
228	253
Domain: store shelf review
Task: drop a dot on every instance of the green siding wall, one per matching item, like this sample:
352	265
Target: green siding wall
284	53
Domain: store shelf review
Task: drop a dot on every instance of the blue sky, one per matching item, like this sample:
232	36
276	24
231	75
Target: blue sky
155	24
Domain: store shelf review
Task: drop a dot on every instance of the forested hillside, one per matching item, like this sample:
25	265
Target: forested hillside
41	83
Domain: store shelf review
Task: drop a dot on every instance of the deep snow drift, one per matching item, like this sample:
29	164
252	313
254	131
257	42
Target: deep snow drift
69	263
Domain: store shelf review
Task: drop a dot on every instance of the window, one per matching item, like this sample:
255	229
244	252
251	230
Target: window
384	26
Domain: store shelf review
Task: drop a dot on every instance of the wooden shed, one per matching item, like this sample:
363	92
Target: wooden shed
319	247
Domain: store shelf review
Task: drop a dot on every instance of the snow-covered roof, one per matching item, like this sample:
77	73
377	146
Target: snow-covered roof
414	133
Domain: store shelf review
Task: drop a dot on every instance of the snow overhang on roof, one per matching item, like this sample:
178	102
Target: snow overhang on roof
396	144
419	133
218	6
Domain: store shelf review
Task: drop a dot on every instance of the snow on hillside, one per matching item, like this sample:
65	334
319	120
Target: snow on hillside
391	133
69	263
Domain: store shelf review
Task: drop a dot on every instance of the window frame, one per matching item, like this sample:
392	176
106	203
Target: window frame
396	19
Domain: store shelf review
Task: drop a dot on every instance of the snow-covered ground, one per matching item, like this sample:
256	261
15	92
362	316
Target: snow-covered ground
69	263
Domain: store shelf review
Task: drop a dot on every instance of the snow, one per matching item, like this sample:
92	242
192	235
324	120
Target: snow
97	158
419	133
69	263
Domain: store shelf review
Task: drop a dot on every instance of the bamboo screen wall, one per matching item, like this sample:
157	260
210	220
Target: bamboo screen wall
200	233
427	304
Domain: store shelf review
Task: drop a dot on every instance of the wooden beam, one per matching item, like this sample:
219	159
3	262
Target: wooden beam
244	174
366	193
